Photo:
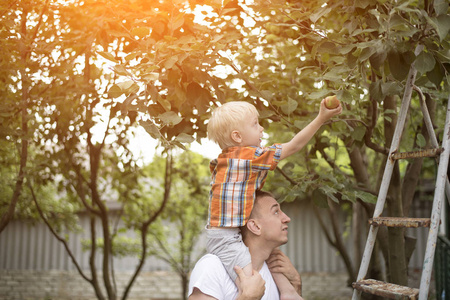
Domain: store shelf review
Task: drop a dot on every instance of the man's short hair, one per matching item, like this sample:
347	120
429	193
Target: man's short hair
259	195
227	118
255	211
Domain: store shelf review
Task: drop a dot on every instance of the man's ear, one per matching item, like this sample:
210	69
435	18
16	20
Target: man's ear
253	227
236	136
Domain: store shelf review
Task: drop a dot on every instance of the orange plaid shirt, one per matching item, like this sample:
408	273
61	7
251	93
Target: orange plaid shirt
236	175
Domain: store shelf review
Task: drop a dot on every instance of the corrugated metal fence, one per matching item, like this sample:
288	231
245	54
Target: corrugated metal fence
26	247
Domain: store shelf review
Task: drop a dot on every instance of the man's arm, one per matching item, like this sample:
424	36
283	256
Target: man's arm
250	288
198	295
278	262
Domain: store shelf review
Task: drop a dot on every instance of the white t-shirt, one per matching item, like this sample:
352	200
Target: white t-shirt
211	278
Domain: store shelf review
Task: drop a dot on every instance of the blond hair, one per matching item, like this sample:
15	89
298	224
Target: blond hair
227	118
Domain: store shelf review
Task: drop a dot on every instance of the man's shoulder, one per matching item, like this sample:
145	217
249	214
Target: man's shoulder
210	265
209	259
211	278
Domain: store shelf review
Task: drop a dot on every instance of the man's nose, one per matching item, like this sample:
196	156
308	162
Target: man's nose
286	218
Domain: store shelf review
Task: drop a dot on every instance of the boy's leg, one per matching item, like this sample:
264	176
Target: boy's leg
227	244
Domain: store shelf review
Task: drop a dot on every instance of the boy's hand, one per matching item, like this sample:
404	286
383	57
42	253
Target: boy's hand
250	287
325	113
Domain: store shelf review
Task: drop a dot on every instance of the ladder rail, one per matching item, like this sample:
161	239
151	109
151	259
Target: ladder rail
431	133
435	214
388	172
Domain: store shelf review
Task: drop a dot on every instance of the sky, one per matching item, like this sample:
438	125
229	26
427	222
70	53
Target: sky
143	145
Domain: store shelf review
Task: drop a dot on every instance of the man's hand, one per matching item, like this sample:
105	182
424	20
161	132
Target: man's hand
278	262
250	287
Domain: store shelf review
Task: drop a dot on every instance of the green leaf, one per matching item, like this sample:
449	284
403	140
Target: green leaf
199	96
421	142
128	101
436	75
443	56
424	62
327	47
128	87
358	133
185	138
178	144
170	118
362	3
140	32
329	191
125	84
150	76
108	56
288	198
391	88
266	94
318	95
397	65
366	53
131	56
335	74
316	16
366	197
344	96
396	22
320	199
377	59
443	22
115	91
346	49
151	129
440	6
170	62
178	22
120	69
352	60
290	106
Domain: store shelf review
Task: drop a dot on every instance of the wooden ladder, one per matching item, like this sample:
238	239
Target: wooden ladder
390	290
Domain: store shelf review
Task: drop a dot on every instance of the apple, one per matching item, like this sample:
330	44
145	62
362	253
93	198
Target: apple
331	102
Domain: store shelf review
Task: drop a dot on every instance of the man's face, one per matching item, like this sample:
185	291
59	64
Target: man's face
273	221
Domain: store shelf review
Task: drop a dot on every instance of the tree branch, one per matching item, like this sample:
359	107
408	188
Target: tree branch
24	124
56	235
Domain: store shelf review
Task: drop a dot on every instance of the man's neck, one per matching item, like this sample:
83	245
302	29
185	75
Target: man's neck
259	254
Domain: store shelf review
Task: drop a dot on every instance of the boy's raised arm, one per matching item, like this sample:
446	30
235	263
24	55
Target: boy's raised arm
304	136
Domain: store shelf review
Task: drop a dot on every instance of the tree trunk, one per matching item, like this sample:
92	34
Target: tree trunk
184	285
397	260
168	177
413	170
362	178
336	240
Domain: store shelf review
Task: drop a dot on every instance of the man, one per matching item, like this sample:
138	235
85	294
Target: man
264	232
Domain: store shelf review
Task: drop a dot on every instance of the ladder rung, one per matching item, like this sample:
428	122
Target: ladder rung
400	222
416	154
384	289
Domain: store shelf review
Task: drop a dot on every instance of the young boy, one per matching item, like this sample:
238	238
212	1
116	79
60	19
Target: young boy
239	171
